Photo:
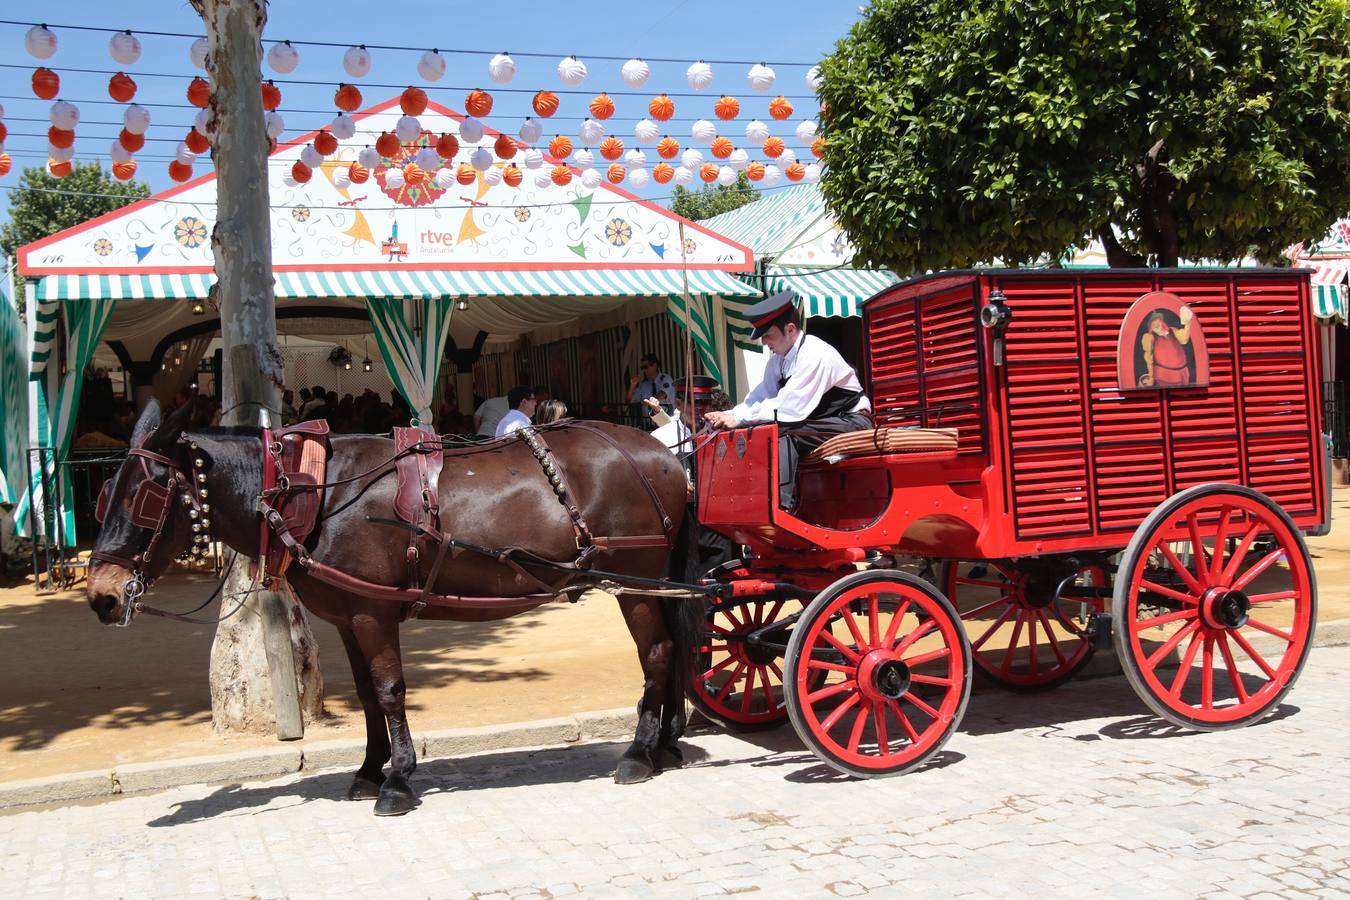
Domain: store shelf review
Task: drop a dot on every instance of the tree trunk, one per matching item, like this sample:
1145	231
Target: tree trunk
1117	257
264	662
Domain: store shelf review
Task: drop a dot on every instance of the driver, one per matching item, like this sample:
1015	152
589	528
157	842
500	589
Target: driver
807	388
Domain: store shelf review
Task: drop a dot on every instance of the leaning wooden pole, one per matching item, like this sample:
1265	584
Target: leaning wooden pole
254	657
688	324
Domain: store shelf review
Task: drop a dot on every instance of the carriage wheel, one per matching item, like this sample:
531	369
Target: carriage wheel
896	673
738	686
1021	637
1209	575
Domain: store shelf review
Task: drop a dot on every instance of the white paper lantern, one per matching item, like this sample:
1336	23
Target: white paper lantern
283	58
356	62
64	115
60	154
197	53
533	159
683	174
635	159
492	176
591	132
761	77
739	159
119	153
289	180
393	178
542	179
136	119
343	127
428	158
342	178
481	159
638	178
584	158
646	131
274	124
40	42
311	157
531	131
812	173
501	68
2	110
407	128
431	67
635	73
691	158
703	131
699	75
199	121
806	131
369	158
445	178
124	47
814	79
772	174
571	70
590	179
726	176
184	155
471	130
756	132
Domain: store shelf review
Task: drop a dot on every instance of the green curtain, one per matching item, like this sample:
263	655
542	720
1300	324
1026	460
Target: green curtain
700	323
14	397
411	335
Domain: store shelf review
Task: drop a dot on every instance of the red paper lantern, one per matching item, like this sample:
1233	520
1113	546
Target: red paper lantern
5	164
708	172
121	87
661	108
300	172
477	103
505	146
62	169
615	173
727	107
130	142
773	146
755	171
413	174
387	144
668	147
124	171
358	173
46	83
447	146
60	137
795	172
560	147
466	174
818	147
722	147
199	93
561	175
196	141
545	104
512	175
602	107
413	101
663	172
181	171
347	98
611	147
780	107
271	96
325	143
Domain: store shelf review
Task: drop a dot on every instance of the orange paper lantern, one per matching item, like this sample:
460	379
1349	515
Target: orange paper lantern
5	164
708	172
271	96
387	144
4	132
121	87
358	173
62	169
661	108
818	147
668	147
512	175
545	103
722	147
347	97
504	146
615	173
46	83
663	172
561	175
325	143
780	107
560	147
413	174
181	171
611	147
300	172
466	174
727	107
124	171
755	171
413	101
795	172
478	103
199	93
773	146
130	142
602	107
196	141
60	137
447	146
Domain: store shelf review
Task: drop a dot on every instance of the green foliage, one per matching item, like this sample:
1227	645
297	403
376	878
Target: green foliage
42	205
710	200
958	132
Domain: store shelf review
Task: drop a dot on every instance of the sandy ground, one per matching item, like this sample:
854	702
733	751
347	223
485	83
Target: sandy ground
75	695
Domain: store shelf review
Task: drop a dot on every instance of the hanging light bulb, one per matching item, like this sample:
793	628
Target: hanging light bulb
462	304
183	346
348	364
366	365
198	308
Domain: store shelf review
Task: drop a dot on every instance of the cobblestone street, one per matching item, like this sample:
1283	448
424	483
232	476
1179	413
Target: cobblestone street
1074	791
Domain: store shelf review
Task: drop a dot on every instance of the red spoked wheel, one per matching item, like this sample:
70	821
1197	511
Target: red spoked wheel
738	683
1214	607
1021	636
877	673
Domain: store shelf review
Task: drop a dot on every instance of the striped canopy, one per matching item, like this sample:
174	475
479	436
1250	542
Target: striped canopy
829	292
1328	285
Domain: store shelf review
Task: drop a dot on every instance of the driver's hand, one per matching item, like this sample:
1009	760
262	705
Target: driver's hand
652	404
721	419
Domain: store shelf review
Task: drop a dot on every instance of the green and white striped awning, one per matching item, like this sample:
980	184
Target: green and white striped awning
829	292
770	225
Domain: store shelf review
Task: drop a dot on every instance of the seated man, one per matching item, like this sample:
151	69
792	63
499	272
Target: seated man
521	401
808	390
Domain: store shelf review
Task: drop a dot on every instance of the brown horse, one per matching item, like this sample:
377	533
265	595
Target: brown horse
493	496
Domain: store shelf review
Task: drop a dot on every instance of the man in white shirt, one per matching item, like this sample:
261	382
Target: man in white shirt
521	400
488	414
652	382
808	390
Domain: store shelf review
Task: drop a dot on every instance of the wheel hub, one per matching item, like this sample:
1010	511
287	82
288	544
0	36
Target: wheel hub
1224	608
882	677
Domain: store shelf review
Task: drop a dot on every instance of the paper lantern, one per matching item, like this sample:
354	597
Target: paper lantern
545	104
118	153
369	157
572	71
531	131
183	153
196	141
40	42
325	143
130	140
428	159
668	147
756	132
447	145
691	158
274	124
122	171
413	101
787	158
358	173
780	108
611	148
818	147
431	66
708	172
533	159
590	179
492	176
61	168
795	172
661	108
60	137
202	120
560	175
542	179
64	114
46	83
722	147
289	180
760	76
471	131
343	127
271	96
445	178
663	172
773	147
136	119
602	107
814	79
125	48
703	131
413	174
4	133
683	175
638	178
478	102
6	164
393	178
615	173
501	68
121	87
60	154
342	178
283	58
560	147
699	75
180	172
726	176
197	53
311	157
635	159
356	61
504	146
738	159
646	131
347	97
481	158
387	145
806	131
407	128
512	175
727	107
812	173
754	171
591	131
584	158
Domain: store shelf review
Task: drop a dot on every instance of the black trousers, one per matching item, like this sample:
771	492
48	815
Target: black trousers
798	439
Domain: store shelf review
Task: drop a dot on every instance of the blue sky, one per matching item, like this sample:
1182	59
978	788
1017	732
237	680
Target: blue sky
790	31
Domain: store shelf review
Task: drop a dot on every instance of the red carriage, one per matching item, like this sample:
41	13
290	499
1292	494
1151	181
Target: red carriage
1131	459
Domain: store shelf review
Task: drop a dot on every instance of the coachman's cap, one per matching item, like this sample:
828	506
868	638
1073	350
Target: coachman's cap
762	314
700	387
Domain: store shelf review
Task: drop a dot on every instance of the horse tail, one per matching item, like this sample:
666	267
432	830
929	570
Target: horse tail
685	615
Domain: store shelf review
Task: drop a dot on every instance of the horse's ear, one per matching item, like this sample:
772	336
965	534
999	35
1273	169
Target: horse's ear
150	419
174	424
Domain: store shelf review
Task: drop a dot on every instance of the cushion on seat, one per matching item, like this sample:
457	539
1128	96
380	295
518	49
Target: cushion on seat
881	441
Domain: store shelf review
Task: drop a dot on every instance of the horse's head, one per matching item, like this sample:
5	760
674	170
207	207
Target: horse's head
147	512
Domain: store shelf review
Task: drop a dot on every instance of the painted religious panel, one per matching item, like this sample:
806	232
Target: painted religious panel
1161	345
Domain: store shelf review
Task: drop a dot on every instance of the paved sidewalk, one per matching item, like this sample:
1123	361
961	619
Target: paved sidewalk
1076	791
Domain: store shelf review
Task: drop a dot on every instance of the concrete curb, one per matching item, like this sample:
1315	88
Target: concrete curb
289	759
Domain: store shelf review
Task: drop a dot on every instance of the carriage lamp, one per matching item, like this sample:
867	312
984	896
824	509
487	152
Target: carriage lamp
462	304
996	315
347	365
198	308
366	365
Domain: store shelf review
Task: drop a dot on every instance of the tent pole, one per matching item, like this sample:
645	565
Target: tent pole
688	324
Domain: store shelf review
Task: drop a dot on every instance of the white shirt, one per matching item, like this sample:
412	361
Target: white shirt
812	368
491	412
512	421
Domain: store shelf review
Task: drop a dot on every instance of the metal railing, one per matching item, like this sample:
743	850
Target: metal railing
1334	418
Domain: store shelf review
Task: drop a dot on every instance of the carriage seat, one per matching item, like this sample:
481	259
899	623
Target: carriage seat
883	442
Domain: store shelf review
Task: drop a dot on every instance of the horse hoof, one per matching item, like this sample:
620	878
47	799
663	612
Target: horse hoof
670	757
632	771
363	789
395	800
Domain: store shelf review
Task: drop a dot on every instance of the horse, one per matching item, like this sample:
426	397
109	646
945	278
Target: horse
493	495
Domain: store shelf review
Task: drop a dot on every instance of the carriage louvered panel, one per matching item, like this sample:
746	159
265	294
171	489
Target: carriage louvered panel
1210	411
1130	482
1202	460
1046	437
894	388
1208	299
1045	319
1272	393
1278	466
